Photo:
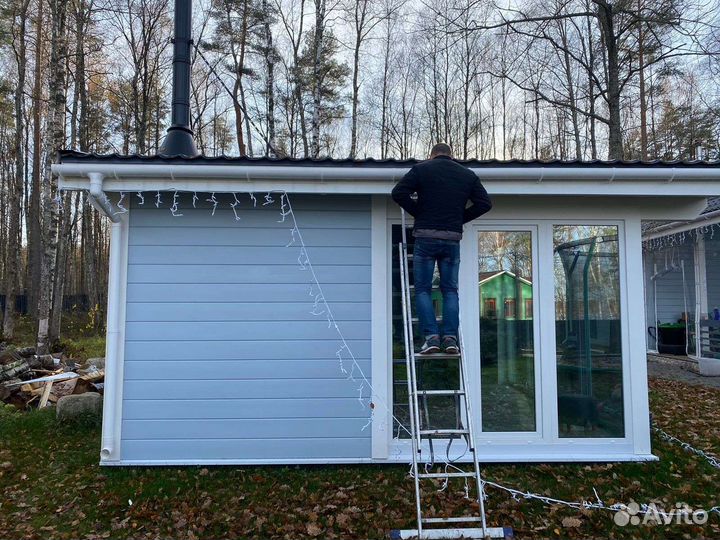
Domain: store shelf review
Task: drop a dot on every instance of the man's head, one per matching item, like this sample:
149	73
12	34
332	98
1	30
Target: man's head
440	149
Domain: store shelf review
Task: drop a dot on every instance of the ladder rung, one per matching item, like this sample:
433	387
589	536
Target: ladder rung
436	356
465	532
462	519
447	475
441	392
443	432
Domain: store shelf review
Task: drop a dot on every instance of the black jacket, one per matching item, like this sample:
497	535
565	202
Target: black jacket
443	189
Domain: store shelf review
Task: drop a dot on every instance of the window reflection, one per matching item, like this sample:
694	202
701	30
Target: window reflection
587	313
507	372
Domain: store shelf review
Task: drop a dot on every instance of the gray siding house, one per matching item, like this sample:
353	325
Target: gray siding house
253	307
682	285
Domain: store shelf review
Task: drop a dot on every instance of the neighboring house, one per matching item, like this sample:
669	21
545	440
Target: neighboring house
682	287
505	296
220	348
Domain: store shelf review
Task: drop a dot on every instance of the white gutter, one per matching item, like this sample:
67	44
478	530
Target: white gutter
675	227
98	198
324	173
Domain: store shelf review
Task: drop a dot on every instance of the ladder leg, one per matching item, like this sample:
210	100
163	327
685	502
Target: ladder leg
409	361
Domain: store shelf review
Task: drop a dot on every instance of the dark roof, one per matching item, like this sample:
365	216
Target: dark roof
73	156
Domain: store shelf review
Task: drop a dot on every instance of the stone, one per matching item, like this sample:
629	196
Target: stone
709	367
77	406
97	362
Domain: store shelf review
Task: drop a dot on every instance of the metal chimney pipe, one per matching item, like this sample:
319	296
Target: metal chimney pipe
179	138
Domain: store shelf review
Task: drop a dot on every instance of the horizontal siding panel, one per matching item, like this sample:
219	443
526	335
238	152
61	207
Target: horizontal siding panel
246	236
242	350
250	292
246	255
238	369
210	331
217	449
220	389
144	409
250	311
268	428
249	273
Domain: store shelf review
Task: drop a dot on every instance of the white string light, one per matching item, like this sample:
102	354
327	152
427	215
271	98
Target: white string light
268	199
234	205
120	205
283	209
141	197
157	200
174	207
195	199
213	200
293	232
711	459
253	199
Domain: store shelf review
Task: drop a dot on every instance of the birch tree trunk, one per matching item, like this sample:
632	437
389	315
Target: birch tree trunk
16	184
56	125
33	215
318	35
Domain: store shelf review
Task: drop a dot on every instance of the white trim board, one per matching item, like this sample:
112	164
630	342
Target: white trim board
561	180
394	459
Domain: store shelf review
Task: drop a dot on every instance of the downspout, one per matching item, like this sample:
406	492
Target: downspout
109	448
98	199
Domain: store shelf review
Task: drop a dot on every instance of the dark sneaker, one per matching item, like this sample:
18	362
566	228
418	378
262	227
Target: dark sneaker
450	345
431	345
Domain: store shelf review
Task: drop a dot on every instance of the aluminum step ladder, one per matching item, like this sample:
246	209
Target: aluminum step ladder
459	526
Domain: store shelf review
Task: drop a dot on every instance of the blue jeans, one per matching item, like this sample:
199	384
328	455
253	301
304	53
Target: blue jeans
446	253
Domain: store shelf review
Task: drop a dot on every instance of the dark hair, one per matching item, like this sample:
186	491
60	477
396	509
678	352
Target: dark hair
441	149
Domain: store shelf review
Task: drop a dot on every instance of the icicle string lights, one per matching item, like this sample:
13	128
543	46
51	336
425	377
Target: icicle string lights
344	352
679	238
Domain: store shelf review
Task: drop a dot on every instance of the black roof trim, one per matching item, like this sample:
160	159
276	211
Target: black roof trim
73	156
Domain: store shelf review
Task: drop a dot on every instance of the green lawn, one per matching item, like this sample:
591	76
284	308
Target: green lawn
52	487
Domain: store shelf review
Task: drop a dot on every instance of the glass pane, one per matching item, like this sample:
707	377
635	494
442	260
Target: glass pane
438	412
709	322
670	292
587	329
506	330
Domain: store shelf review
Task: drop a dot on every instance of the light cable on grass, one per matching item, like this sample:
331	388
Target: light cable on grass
713	460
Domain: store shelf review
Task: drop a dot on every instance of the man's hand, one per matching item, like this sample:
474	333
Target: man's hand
403	190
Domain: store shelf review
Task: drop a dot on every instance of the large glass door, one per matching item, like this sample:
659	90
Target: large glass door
506	292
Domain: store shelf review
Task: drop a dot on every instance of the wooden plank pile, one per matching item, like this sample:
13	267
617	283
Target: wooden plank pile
28	380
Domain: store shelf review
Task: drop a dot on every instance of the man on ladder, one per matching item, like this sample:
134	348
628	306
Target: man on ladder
443	188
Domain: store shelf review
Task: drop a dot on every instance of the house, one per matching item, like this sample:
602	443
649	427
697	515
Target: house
252	304
682	286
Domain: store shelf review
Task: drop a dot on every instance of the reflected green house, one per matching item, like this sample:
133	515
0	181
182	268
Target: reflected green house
503	295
